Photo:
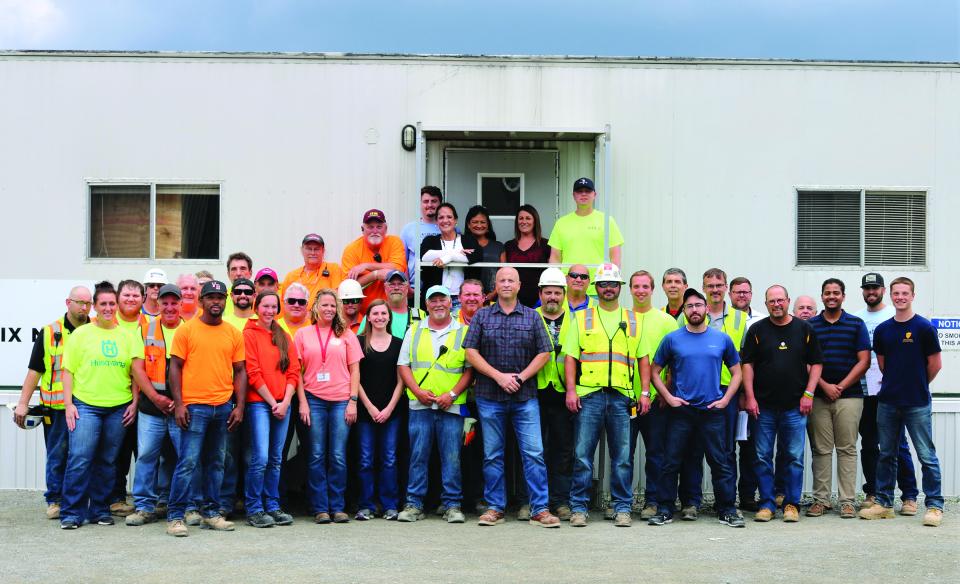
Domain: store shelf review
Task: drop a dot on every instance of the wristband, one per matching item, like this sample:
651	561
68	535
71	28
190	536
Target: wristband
807	394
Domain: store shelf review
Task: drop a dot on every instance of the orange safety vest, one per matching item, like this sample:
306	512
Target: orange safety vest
51	382
155	352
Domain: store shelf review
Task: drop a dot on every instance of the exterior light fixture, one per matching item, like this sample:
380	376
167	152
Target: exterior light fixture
408	138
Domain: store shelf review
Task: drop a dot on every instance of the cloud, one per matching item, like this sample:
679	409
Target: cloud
23	23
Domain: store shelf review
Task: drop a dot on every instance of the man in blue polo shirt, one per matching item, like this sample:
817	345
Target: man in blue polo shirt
697	412
908	353
838	400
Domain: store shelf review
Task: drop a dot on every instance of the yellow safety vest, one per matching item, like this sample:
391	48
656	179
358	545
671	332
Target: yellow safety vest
606	361
552	371
735	326
51	382
440	375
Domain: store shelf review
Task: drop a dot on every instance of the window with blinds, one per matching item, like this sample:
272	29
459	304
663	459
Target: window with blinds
861	228
155	221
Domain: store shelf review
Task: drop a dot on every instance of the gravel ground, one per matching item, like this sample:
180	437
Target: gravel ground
821	550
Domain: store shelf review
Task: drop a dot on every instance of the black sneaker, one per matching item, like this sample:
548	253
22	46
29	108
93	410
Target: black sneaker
660	519
261	519
732	519
69	524
281	517
105	520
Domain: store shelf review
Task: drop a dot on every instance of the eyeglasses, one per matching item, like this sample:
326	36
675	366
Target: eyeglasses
297	301
607	284
578	276
82	303
243	292
154	285
777	301
696	306
742	292
352	300
715	286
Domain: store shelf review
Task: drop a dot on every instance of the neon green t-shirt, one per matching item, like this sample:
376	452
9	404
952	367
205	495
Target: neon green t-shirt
580	239
236	321
654	325
168	334
132	327
99	360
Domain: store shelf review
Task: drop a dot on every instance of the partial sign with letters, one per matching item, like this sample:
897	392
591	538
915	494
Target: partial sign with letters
948	331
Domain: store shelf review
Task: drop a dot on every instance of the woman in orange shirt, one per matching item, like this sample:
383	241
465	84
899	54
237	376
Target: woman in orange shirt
273	372
330	361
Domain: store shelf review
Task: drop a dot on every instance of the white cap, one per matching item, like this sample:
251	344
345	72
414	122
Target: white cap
155	276
608	273
552	277
349	290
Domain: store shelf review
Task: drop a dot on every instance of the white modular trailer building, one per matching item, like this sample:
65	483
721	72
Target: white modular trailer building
782	171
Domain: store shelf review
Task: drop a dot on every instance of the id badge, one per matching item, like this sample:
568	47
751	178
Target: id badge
323	377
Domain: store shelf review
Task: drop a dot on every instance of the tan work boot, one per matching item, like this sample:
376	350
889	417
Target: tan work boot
763	515
877	511
648	512
53	511
192	517
217	523
868	501
933	517
578	520
622	520
790	513
121	508
564	512
909	507
176	528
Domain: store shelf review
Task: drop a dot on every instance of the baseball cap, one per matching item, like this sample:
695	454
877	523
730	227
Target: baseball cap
693	292
169	289
374	215
312	237
241	282
871	279
215	287
438	289
394	273
583	183
155	276
266	273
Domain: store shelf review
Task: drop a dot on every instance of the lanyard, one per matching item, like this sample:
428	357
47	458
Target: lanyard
323	345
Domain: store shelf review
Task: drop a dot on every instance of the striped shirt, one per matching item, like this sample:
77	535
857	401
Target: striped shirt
840	342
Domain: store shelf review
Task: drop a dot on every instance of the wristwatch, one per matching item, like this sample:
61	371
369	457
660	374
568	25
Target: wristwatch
644	394
353	398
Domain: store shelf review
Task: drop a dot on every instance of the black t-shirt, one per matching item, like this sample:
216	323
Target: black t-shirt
378	376
36	355
780	355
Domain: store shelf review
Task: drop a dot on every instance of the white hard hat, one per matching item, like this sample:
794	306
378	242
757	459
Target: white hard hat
34	417
552	277
608	273
350	290
155	276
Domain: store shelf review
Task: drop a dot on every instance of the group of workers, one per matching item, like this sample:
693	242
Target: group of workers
207	384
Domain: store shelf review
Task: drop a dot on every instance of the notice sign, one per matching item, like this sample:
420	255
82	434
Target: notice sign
948	331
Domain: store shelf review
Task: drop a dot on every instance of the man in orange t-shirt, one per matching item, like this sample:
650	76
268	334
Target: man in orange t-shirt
370	258
206	370
315	274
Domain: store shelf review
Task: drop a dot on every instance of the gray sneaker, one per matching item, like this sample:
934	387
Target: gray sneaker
192	518
391	515
364	515
454	515
260	519
410	514
138	518
689	513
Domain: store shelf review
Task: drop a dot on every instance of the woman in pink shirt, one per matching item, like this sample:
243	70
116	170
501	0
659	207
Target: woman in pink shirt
330	361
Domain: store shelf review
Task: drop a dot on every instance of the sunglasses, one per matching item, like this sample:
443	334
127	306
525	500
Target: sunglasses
243	292
607	284
578	276
154	285
297	301
353	301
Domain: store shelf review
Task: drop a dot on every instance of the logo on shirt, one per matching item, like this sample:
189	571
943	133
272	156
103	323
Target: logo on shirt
109	349
908	337
783	346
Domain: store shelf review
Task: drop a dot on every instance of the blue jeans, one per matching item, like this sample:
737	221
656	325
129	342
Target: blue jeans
786	429
380	438
425	427
602	409
233	459
918	421
91	456
747	483
265	436
652	427
870	452
56	438
327	465
201	443
152	431
525	418
686	425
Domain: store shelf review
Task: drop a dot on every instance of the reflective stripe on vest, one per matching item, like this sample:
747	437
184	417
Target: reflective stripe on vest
155	353
552	372
601	365
51	382
439	375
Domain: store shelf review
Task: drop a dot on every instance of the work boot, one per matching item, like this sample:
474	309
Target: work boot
138	518
790	513
176	528
261	519
909	507
410	514
877	511
622	520
121	509
817	509
689	513
847	511
868	501
648	512
491	517
53	511
609	514
216	523
763	515
933	517
545	519
281	517
578	519
454	515
523	514
192	518
564	512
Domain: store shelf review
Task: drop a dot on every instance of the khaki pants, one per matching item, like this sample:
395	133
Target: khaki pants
834	425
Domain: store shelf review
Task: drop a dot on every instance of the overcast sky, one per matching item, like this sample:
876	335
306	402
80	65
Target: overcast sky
901	30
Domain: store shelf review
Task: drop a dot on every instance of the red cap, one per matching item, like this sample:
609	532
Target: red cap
266	272
374	215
